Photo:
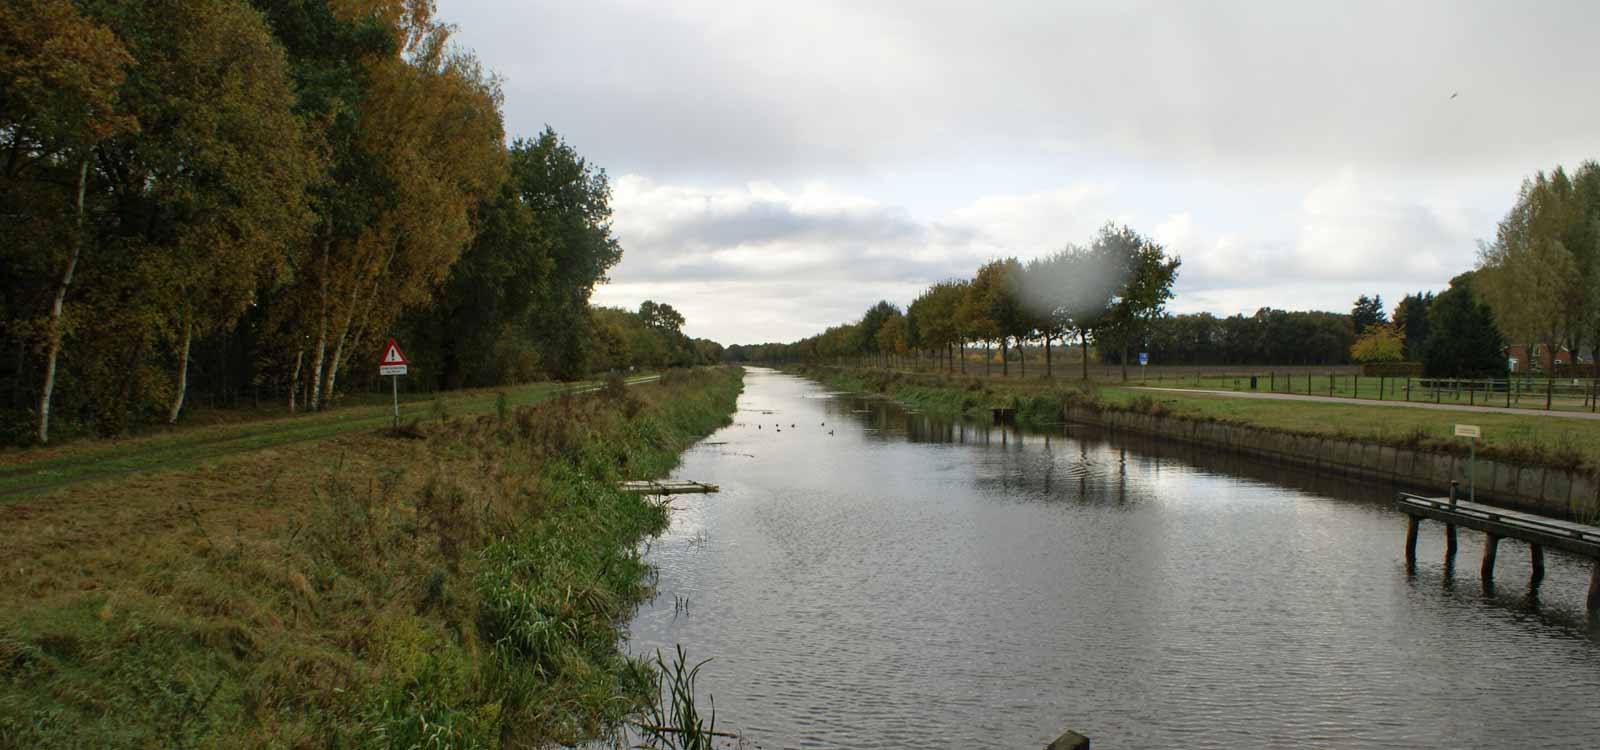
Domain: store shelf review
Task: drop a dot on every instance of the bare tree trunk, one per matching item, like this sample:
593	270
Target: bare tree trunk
53	329
962	351
1049	372
988	361
1083	349
319	352
1005	360
1549	375
294	379
1022	355
332	371
183	374
1124	360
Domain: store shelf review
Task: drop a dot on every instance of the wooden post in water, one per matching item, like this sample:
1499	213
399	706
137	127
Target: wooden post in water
1450	531
1412	522
1069	741
1538	567
1491	547
1594	592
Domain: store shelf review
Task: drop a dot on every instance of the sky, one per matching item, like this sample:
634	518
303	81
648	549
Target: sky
777	168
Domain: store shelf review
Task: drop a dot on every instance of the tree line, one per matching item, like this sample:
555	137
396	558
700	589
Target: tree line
1540	275
1109	293
244	199
1109	299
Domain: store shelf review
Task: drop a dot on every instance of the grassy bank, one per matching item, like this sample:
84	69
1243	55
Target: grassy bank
1524	439
31	471
460	587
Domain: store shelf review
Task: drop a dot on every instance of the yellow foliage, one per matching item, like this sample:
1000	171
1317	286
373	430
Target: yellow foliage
1381	343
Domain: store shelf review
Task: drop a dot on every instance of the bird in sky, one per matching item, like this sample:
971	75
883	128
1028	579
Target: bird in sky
1455	94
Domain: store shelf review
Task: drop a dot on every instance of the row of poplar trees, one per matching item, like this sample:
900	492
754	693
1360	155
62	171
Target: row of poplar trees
1107	293
246	198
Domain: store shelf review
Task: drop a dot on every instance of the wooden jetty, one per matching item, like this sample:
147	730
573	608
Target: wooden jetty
1497	524
665	487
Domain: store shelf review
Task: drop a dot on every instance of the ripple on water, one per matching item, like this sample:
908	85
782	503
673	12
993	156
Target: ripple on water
910	582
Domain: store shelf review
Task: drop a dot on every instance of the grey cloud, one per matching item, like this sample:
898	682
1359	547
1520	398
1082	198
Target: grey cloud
703	88
768	221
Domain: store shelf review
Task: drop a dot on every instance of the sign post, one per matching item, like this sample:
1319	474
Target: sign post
393	363
1472	432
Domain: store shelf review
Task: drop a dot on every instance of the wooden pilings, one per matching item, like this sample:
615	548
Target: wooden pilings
1594	590
1491	548
1537	577
1412	524
1496	523
1069	741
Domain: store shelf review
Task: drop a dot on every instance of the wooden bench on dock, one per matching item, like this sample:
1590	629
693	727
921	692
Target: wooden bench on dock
1499	523
665	487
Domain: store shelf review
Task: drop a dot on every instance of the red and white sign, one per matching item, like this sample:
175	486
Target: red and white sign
394	361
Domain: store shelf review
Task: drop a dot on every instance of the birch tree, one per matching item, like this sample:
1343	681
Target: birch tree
60	74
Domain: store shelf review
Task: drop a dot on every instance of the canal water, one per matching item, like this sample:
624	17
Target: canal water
870	577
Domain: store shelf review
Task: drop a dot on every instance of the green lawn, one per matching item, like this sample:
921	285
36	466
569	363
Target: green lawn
32	471
1525	393
1552	438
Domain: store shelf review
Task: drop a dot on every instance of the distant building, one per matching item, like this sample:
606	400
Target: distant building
1522	364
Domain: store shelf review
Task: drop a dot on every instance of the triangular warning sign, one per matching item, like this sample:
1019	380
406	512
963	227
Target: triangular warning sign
392	355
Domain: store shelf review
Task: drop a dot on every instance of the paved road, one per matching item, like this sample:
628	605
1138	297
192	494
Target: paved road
1370	402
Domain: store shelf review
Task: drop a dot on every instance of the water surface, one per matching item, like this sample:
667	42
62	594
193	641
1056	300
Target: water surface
870	577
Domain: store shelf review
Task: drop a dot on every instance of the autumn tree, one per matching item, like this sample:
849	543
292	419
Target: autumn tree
892	336
1529	275
1382	342
1147	275
411	158
474	330
61	74
661	316
975	314
571	204
933	313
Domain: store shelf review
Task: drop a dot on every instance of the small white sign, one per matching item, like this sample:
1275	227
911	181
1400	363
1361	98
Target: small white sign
1468	431
391	369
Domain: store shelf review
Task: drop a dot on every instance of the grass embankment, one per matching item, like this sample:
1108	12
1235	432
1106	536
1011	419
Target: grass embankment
1525	439
30	471
460	590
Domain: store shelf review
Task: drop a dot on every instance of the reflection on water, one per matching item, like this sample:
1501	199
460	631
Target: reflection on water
871	577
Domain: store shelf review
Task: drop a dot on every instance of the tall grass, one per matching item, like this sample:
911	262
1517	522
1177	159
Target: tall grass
474	602
674	722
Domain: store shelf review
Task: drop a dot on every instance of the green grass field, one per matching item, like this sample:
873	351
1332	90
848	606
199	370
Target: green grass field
1529	438
1524	393
1550	439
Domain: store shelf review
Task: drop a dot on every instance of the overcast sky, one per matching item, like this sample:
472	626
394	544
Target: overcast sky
778	167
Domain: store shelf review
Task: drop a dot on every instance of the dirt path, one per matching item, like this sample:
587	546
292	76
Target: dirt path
1371	402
